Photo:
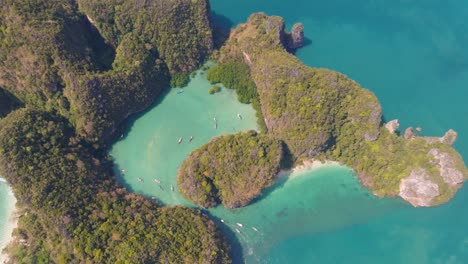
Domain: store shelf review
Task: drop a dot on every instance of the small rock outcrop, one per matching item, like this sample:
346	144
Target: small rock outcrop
447	167
418	189
296	37
392	126
409	133
449	138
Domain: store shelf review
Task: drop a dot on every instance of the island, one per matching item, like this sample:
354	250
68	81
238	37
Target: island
231	169
321	114
71	71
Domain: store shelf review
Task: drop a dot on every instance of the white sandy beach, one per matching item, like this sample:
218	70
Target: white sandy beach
8	219
306	167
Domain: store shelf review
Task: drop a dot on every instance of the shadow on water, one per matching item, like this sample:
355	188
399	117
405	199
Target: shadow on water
123	130
126	126
307	42
237	254
221	28
278	184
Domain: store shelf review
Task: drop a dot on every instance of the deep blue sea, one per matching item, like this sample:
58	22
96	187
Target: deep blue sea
413	54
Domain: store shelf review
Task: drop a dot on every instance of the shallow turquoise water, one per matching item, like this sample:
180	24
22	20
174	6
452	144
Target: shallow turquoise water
7	202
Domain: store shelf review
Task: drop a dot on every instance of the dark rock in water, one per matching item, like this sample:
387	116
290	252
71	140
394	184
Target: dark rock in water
297	36
295	39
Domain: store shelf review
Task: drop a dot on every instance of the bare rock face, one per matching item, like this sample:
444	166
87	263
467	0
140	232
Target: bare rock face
448	167
409	133
450	137
295	39
417	189
392	126
297	35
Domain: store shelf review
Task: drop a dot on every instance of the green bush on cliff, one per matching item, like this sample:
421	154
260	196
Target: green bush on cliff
179	29
179	80
230	169
77	213
214	89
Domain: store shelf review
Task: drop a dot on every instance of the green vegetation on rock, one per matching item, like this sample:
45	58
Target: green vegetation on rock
231	169
322	114
179	29
214	89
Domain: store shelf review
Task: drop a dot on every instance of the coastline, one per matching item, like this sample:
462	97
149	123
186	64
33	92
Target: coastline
306	166
9	223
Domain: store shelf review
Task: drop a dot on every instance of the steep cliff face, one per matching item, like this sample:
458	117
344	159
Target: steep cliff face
53	58
179	29
320	113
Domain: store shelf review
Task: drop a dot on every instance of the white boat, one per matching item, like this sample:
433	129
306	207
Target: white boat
191	138
239	116
222	220
157	181
239	224
216	125
124	171
254	229
214	119
172	187
180	140
140	179
238	231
